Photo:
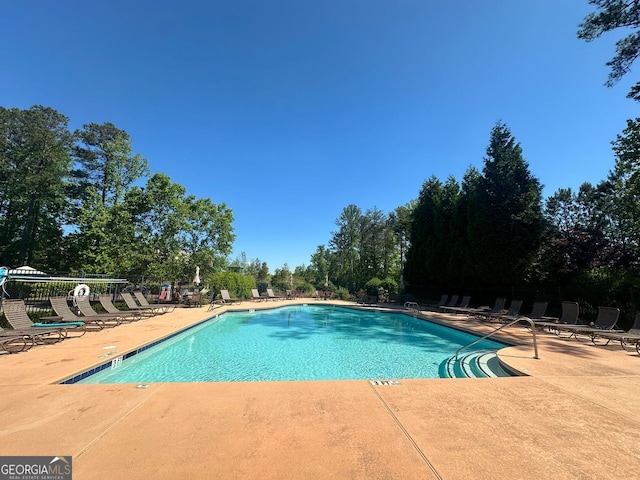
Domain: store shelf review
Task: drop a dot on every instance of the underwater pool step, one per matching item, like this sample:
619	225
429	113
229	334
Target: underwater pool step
476	364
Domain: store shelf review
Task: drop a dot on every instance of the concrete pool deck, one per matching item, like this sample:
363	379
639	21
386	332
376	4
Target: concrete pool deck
576	415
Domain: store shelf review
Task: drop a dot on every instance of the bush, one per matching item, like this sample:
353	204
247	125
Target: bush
262	285
343	294
239	286
307	288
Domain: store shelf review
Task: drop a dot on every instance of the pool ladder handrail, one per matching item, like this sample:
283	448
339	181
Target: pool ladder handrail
413	306
519	319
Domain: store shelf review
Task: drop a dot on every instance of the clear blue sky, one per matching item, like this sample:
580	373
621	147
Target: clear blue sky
288	111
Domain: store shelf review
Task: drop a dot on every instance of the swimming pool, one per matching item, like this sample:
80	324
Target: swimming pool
308	342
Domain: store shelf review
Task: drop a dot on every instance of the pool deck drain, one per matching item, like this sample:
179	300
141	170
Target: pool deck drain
384	382
428	429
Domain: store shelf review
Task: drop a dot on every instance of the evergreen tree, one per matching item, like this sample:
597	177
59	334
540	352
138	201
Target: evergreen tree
422	256
611	15
508	221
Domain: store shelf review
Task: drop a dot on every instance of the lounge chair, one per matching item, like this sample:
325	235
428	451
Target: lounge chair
134	307
485	313
436	306
626	338
537	313
255	295
605	322
273	296
108	305
513	312
226	298
16	314
463	307
369	300
570	316
15	342
453	302
87	310
162	308
61	307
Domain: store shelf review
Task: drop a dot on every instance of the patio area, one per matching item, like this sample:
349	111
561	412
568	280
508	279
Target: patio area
576	415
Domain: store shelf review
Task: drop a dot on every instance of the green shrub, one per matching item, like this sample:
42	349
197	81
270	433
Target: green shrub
343	294
239	286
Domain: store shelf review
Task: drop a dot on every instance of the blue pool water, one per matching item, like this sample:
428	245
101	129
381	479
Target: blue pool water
296	343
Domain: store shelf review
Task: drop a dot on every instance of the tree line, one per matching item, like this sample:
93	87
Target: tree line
73	201
494	229
83	201
77	201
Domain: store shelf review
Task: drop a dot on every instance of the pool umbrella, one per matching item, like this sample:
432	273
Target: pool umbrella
25	270
326	280
196	278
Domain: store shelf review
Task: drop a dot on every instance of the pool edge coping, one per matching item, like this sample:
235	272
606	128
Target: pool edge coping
97	367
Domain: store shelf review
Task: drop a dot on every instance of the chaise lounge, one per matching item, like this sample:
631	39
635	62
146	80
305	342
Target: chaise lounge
605	322
61	307
16	314
87	310
626	338
569	316
108	305
537	313
15	342
225	298
436	306
255	295
462	308
273	296
162	308
134	307
513	312
453	302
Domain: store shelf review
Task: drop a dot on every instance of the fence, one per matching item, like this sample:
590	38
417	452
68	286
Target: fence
35	290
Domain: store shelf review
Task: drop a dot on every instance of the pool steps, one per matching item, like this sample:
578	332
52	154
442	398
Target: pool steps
475	364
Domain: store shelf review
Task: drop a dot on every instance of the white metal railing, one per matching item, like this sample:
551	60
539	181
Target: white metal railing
412	306
521	319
